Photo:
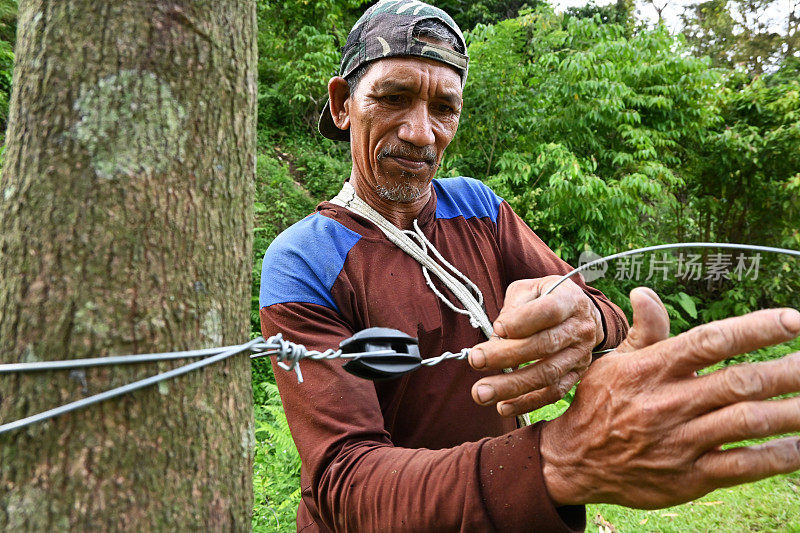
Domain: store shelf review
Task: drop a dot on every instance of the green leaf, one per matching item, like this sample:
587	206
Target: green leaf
686	302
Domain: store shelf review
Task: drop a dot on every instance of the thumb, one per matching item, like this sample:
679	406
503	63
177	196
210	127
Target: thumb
650	321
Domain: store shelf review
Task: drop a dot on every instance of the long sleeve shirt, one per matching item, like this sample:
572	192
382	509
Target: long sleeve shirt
415	453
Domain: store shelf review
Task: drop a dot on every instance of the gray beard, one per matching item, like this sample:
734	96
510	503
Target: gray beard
403	193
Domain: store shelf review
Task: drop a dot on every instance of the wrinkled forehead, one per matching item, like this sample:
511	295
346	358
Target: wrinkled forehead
414	74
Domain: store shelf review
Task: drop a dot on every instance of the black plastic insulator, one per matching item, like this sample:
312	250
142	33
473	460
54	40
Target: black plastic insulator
403	357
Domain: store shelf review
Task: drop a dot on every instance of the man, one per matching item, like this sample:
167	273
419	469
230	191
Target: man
417	453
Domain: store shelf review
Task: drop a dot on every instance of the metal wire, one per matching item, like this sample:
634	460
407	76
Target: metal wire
463	354
670	246
125	389
70	364
288	353
276	345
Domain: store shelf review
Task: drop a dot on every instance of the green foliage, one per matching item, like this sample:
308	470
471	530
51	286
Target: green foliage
583	117
470	13
279	203
8	21
621	13
739	34
321	165
682	309
298	46
276	472
742	181
603	140
8	29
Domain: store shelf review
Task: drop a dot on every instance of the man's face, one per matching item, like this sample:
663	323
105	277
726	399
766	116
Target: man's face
403	115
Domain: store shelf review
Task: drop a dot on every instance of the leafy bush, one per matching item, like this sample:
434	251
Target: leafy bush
279	203
298	45
276	473
587	131
8	29
742	180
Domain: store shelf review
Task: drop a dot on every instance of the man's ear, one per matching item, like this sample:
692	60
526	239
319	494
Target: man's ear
339	95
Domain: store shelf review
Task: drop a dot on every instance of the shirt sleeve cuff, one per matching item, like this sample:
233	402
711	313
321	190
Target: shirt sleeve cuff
614	328
513	488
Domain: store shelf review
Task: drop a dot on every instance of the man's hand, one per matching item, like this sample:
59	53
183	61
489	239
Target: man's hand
558	331
644	430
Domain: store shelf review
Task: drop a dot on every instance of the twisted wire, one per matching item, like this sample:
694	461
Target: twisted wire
456	356
288	353
125	389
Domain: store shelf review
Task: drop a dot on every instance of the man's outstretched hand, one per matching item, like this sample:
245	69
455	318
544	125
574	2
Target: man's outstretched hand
645	431
557	331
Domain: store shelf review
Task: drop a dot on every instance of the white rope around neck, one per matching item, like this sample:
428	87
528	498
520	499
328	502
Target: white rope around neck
467	292
473	304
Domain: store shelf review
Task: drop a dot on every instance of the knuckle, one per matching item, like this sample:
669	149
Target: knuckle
587	329
549	310
555	393
549	374
753	420
566	384
557	309
785	454
742	382
713	339
551	395
516	385
552	340
516	286
739	463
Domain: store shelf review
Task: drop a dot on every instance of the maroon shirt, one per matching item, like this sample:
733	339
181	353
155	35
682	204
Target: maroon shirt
415	453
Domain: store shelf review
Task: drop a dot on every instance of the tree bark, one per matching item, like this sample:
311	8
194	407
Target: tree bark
125	223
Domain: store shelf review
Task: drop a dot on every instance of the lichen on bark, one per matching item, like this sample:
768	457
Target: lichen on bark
130	123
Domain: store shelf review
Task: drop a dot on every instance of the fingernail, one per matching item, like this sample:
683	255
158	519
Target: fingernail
791	320
485	393
499	329
477	358
506	410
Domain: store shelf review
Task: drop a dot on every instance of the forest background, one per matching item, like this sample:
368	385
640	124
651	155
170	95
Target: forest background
604	133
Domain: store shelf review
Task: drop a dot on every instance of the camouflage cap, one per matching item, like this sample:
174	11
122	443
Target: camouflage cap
387	30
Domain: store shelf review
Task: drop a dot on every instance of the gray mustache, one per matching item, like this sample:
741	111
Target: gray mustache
427	154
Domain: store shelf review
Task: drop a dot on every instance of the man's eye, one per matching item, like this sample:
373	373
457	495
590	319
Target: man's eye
392	98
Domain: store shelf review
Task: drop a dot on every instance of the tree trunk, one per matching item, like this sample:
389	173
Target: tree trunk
125	222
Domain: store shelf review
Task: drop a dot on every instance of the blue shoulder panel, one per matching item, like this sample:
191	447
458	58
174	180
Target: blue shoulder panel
466	197
302	263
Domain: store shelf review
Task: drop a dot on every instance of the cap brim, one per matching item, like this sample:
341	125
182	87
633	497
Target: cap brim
328	129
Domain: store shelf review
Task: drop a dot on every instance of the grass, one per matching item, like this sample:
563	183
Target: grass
771	504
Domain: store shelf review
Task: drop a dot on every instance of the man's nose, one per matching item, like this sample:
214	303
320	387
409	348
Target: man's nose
417	127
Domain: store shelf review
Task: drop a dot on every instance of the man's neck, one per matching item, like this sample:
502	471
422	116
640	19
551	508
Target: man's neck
400	214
